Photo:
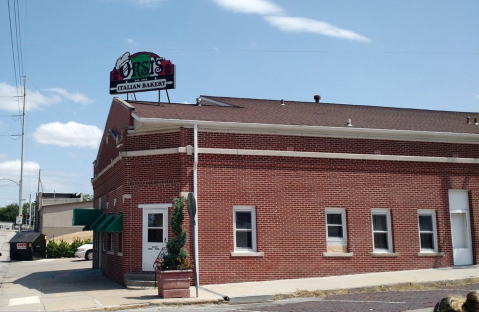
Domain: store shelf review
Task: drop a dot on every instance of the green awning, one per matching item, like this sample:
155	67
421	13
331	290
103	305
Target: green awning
97	222
116	225
86	228
85	216
105	223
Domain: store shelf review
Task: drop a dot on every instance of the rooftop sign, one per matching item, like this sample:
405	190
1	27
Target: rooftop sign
140	72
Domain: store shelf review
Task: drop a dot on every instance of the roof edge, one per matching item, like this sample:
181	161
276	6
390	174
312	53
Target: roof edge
342	132
124	103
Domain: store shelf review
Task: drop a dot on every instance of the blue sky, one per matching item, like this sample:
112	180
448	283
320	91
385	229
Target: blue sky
399	53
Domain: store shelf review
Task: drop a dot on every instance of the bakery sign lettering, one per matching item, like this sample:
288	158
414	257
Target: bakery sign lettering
142	71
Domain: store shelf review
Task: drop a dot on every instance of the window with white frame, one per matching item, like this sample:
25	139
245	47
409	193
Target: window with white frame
336	229
103	240
244	223
111	242
381	228
427	230
120	242
96	240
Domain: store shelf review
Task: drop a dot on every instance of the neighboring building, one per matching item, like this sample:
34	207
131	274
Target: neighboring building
55	213
6	225
288	189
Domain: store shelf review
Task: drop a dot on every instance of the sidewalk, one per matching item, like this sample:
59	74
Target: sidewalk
70	284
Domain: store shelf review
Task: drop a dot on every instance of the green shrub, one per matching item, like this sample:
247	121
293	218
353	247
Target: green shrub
177	257
52	249
64	249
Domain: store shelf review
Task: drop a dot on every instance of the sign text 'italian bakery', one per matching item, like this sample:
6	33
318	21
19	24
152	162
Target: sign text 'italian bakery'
140	72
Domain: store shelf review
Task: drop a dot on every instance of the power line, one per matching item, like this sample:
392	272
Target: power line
13	52
63	181
19	37
264	51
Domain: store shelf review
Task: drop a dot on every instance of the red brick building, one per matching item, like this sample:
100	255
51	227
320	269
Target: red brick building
288	189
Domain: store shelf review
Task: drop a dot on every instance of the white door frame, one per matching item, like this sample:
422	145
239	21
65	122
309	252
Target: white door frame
459	205
151	250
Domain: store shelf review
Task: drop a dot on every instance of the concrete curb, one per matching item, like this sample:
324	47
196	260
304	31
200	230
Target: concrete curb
168	302
249	299
383	287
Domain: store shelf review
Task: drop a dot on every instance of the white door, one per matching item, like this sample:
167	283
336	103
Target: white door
155	235
460	227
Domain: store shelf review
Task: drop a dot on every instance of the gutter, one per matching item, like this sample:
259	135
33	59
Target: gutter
195	192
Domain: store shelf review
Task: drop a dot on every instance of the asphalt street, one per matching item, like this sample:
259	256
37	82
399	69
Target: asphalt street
71	284
390	301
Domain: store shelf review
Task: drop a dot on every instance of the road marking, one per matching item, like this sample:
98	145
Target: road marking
252	311
23	300
101	305
362	301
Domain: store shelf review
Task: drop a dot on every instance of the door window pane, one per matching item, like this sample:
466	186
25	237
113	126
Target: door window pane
155	235
155	220
243	220
459	230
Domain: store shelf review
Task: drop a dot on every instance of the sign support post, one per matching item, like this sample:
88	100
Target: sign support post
192	213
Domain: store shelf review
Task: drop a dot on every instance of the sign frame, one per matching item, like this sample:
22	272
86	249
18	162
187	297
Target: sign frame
142	72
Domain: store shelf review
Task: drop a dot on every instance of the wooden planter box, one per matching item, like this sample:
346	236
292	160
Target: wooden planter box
173	284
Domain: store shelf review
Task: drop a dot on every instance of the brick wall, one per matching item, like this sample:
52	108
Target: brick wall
290	196
119	118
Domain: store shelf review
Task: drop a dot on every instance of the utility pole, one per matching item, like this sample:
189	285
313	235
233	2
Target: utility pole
20	208
38	202
30	214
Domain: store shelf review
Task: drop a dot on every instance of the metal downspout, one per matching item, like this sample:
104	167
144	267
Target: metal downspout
195	191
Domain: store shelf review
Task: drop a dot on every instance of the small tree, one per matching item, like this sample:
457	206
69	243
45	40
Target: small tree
87	197
177	257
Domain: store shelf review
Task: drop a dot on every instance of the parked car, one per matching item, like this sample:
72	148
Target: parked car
85	251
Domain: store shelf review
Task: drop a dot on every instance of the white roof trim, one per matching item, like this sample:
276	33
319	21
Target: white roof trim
124	103
340	132
239	152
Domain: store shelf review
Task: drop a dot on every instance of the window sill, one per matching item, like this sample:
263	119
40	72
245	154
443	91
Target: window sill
120	254
247	254
430	254
338	254
110	252
384	254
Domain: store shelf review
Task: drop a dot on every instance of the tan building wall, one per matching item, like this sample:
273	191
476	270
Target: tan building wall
56	220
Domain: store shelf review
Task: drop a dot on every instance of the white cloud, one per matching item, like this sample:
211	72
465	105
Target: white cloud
263	7
131	41
36	100
11	169
75	97
66	182
147	3
302	24
69	134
